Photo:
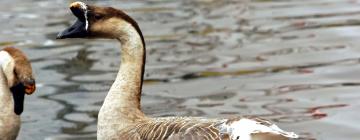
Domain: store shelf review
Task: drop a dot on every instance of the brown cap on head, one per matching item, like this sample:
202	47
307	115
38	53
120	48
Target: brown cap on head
22	69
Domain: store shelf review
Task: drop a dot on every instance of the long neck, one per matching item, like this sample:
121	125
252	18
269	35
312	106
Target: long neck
122	104
9	121
129	79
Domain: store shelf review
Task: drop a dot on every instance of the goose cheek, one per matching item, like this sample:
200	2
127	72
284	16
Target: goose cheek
18	92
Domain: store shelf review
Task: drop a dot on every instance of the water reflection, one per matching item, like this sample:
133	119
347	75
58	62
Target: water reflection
295	62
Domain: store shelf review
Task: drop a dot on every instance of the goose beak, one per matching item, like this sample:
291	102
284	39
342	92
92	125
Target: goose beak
80	27
18	92
77	30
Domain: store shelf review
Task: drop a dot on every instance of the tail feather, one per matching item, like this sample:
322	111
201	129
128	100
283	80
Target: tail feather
253	128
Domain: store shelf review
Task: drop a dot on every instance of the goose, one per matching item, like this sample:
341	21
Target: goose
16	80
120	116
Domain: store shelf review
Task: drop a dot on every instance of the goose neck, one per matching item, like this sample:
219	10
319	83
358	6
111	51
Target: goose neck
6	101
123	99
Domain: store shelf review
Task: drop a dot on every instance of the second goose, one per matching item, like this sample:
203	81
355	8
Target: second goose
16	80
120	116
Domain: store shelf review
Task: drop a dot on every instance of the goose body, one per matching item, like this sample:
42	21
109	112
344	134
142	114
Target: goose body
120	116
15	81
192	128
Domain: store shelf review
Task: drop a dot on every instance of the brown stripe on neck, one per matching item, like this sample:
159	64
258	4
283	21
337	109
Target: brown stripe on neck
130	20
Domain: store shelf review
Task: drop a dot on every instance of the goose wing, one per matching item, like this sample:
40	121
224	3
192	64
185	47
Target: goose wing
172	129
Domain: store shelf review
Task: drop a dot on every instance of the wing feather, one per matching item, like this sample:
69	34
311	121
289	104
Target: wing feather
240	128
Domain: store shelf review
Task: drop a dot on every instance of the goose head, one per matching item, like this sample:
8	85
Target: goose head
18	74
99	22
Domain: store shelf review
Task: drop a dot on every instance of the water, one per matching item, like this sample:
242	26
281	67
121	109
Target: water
294	62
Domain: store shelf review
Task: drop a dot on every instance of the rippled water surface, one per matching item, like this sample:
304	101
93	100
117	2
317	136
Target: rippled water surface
295	62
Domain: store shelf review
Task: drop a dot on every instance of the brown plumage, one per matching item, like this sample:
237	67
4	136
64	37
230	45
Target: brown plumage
175	128
22	69
120	116
193	128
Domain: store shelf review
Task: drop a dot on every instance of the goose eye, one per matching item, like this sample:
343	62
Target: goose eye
15	74
98	16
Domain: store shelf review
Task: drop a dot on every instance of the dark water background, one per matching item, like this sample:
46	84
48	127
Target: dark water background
295	62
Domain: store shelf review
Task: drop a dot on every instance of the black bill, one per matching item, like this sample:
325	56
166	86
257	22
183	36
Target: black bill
18	92
79	28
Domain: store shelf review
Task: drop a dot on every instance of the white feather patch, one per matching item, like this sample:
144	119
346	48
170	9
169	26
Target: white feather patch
243	128
84	8
5	58
7	65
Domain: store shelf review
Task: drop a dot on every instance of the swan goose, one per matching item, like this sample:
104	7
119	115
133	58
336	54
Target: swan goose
120	116
16	80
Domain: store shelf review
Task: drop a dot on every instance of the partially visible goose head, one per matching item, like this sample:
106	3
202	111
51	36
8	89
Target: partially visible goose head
100	22
18	73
